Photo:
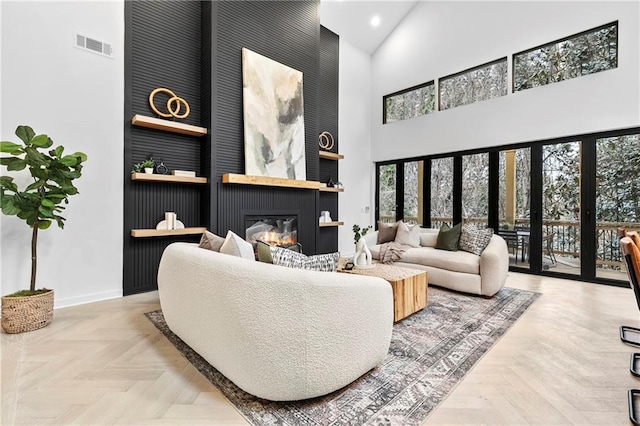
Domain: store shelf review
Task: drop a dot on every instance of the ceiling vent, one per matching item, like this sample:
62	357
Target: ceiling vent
93	45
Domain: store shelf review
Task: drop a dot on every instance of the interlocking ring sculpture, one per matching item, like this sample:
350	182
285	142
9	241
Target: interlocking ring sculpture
325	140
174	104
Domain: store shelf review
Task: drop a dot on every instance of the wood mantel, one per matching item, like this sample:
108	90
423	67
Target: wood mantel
269	181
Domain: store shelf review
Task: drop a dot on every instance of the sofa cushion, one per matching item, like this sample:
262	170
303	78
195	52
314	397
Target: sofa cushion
428	237
408	235
460	261
474	240
448	237
264	250
387	232
211	241
320	262
236	246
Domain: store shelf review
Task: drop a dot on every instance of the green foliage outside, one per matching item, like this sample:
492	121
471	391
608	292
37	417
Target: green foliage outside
474	86
387	182
581	55
411	104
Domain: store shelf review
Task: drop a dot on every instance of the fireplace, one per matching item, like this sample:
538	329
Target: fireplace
275	229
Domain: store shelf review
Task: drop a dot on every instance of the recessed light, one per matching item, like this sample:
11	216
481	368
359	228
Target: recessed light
375	21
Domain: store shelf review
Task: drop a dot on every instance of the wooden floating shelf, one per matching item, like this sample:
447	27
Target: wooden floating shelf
154	177
326	224
269	181
330	155
328	189
169	126
138	233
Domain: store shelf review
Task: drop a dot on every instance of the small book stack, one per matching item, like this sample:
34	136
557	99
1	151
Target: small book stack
186	173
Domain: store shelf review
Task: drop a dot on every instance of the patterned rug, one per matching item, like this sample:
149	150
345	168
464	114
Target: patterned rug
430	353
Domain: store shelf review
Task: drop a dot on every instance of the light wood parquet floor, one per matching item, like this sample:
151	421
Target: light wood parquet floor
102	363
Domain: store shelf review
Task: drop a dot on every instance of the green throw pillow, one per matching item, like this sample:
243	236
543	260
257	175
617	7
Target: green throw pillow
264	252
448	237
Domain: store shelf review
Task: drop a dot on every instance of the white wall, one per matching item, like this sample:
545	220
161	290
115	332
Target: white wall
441	38
354	128
77	98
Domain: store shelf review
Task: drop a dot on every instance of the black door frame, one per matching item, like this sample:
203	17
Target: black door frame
588	234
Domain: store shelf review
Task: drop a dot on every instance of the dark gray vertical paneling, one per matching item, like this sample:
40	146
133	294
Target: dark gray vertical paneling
206	79
163	50
287	32
194	49
238	200
328	119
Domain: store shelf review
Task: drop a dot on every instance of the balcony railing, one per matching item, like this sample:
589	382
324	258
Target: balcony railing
566	241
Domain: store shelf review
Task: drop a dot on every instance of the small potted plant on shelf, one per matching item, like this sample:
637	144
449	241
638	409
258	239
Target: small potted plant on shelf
146	165
39	205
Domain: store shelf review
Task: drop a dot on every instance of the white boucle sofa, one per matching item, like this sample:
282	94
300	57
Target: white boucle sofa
277	333
462	271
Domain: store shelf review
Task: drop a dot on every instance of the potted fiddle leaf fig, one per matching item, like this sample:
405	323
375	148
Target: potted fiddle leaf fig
39	204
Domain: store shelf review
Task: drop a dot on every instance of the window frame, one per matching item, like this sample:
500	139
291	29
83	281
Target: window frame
504	59
560	40
402	92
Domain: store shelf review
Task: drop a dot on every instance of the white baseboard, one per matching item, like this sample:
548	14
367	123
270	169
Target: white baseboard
81	300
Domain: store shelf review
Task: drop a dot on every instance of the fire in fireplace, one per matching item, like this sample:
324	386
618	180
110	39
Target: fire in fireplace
279	230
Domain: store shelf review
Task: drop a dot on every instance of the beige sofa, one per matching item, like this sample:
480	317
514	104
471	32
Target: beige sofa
277	333
459	270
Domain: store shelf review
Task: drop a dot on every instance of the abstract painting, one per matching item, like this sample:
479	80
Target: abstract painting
274	141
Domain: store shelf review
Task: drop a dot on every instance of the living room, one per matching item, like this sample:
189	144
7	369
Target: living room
83	101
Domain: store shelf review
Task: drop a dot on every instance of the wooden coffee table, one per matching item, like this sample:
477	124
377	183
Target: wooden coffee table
410	287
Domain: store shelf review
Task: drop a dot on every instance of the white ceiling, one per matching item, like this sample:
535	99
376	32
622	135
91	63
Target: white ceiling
350	19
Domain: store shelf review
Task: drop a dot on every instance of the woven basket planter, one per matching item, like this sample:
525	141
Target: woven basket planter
27	313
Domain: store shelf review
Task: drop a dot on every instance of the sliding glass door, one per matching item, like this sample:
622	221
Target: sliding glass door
514	204
561	207
387	204
413	189
557	203
441	191
617	199
475	190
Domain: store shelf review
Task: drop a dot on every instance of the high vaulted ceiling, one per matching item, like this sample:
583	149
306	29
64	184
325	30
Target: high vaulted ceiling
351	20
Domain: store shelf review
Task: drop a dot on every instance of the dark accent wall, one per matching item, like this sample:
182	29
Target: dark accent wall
287	32
195	49
162	49
328	121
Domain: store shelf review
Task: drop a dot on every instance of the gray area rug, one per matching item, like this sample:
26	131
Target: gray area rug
430	353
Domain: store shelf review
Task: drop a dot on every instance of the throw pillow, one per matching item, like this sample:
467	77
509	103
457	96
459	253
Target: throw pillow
283	257
319	262
236	246
387	232
264	251
322	262
448	237
408	235
474	240
428	239
211	241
